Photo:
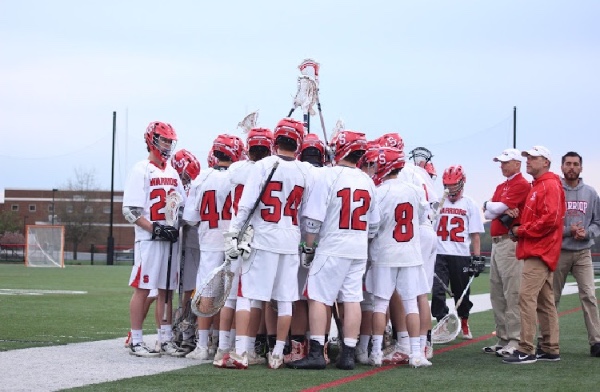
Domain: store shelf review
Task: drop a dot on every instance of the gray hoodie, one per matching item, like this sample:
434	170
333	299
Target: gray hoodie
583	205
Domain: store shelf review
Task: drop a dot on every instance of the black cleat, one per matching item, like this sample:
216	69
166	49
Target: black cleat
345	360
314	360
595	350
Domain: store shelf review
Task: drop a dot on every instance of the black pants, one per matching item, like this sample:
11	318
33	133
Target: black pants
455	270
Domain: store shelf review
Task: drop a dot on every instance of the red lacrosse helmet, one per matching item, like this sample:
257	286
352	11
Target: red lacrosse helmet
388	159
260	137
290	128
368	161
161	140
454	179
313	150
212	159
186	165
391	140
346	142
230	145
430	170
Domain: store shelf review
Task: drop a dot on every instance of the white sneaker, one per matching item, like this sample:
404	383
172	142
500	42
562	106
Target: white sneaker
376	358
168	348
275	361
239	361
221	357
141	350
255	359
199	353
395	355
362	356
428	350
416	361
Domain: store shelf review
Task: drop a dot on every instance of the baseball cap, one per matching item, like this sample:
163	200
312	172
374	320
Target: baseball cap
510	154
538	151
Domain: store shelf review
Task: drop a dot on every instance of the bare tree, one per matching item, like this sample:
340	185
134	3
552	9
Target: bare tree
78	209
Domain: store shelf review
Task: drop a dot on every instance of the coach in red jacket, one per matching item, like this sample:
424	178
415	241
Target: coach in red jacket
539	239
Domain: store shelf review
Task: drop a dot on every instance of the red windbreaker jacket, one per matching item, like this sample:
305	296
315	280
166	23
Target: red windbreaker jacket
540	232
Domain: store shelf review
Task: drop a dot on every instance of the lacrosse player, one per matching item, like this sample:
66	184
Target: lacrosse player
270	259
505	269
342	211
582	224
210	207
539	239
188	168
397	264
260	145
459	226
144	200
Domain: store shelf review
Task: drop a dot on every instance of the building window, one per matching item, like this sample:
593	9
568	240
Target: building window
69	209
14	207
50	208
106	209
89	209
32	208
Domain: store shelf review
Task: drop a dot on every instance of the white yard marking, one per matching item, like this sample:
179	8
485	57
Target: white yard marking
37	292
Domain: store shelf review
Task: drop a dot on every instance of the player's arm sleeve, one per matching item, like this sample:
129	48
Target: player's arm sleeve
315	206
373	215
475	221
495	207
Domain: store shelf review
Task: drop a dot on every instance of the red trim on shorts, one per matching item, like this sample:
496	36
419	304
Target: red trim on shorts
136	281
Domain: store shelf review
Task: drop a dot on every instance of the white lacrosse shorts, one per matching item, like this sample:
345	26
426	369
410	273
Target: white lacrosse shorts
410	282
150	265
334	278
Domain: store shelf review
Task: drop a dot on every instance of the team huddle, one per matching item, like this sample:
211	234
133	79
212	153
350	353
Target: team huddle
352	228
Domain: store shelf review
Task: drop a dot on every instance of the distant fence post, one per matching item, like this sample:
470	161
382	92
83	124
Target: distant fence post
92	249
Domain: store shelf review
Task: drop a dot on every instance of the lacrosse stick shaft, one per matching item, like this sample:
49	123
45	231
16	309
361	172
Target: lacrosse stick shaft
168	281
335	311
181	255
291	111
322	121
464	292
443	285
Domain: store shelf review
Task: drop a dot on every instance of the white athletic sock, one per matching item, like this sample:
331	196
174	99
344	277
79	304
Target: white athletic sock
202	337
240	344
423	340
377	343
251	341
403	339
319	338
224	342
166	332
188	334
136	336
215	336
349	342
363	342
232	337
278	349
415	346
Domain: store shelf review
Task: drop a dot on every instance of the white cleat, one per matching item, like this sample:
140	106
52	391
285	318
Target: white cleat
200	353
418	361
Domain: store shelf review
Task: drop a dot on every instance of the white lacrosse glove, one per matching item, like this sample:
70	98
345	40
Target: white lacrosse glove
231	244
307	255
244	245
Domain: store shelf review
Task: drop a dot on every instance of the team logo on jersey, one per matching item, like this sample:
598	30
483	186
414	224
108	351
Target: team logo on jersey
453	211
533	196
145	279
160	181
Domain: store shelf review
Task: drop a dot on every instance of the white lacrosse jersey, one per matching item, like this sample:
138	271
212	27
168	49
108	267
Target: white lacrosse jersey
432	195
147	187
455	224
397	243
411	175
210	204
276	218
239	172
344	201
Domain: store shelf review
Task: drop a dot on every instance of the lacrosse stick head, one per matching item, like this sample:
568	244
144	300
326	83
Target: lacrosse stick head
306	96
420	154
392	139
249	122
228	147
187	166
446	330
388	160
454	179
161	140
339	126
310	67
210	297
173	202
348	142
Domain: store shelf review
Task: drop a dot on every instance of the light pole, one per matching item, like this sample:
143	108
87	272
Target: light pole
25	224
53	192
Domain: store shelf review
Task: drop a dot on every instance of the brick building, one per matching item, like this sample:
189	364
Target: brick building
35	206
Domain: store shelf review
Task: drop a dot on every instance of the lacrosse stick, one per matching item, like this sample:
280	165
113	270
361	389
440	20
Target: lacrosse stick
306	94
173	201
436	213
446	330
249	122
443	285
335	312
309	68
212	293
178	314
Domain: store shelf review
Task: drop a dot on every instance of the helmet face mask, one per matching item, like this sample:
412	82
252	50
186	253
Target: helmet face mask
454	179
420	154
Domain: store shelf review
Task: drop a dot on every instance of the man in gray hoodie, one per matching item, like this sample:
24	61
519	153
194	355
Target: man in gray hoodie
582	224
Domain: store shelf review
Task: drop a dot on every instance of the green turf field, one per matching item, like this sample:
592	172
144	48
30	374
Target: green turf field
102	313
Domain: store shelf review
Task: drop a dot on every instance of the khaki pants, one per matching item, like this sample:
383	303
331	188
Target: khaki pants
505	281
579	263
536	301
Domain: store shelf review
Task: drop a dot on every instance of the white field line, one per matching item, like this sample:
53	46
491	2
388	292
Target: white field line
79	364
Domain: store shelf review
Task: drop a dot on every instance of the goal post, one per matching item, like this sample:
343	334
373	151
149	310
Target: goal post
45	246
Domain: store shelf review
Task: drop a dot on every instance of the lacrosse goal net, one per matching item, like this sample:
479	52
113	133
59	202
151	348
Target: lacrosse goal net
44	246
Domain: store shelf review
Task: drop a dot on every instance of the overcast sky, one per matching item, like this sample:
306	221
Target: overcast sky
444	74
